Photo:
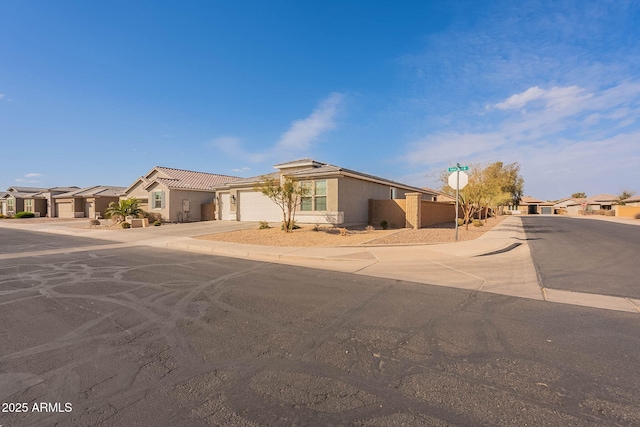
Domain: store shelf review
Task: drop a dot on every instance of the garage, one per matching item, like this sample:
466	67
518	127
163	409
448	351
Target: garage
547	210
254	206
64	209
225	206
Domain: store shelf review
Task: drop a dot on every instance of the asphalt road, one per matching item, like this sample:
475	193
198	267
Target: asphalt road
585	255
150	337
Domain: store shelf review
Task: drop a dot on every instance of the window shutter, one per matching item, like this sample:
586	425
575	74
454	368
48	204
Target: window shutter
162	199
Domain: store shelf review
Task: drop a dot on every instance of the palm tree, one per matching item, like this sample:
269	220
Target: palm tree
123	208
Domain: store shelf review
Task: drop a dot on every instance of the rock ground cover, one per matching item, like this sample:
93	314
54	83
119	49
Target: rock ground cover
331	236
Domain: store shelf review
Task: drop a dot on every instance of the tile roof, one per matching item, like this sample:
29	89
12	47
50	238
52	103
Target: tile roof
603	198
26	189
93	191
633	199
528	200
328	169
190	180
317	169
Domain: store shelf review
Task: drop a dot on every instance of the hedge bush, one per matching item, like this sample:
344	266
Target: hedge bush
126	225
25	215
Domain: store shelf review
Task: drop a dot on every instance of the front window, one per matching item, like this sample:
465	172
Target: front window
316	200
28	203
158	199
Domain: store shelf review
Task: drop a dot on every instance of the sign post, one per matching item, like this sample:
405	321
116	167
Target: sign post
460	182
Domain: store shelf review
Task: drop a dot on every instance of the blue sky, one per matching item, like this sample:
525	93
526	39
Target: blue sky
100	92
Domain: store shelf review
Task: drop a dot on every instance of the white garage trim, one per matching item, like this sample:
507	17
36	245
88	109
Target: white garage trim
255	206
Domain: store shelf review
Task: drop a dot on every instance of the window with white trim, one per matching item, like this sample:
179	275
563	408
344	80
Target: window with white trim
28	205
157	198
316	200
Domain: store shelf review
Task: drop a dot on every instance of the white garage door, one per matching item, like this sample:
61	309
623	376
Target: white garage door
256	206
64	210
225	205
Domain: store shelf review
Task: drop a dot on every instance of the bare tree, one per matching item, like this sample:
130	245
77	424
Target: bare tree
286	193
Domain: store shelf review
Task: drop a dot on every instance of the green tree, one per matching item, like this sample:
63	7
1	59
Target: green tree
121	209
626	194
489	186
579	196
286	193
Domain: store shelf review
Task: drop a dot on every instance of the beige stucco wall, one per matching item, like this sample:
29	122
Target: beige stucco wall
195	198
437	213
392	211
138	192
354	195
173	202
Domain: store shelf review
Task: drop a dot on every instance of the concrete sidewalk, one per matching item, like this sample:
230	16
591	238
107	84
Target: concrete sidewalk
498	262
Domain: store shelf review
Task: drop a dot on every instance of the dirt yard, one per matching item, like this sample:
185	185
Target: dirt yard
327	236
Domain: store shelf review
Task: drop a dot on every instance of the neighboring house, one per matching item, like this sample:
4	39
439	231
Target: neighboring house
176	194
531	206
25	199
578	206
338	195
88	202
601	202
3	202
31	199
632	201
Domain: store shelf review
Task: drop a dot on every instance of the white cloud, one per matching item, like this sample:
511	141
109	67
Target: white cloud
303	132
557	98
520	99
1	95
33	175
558	135
241	169
295	141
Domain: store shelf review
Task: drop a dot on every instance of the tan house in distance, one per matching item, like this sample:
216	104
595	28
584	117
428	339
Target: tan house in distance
176	194
88	202
31	199
338	195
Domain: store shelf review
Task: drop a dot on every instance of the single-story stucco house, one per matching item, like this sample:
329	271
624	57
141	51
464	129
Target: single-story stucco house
177	195
531	206
87	202
338	195
578	206
632	201
31	199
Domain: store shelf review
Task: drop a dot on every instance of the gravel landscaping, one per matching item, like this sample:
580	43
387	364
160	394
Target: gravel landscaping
329	236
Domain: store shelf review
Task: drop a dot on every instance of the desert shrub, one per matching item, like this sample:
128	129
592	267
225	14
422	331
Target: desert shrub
93	222
25	215
637	216
2	216
316	227
157	223
384	224
610	213
369	228
460	222
263	225
478	223
294	226
153	217
343	232
126	225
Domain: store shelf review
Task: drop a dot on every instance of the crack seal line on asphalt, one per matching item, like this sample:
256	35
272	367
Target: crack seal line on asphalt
633	304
